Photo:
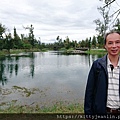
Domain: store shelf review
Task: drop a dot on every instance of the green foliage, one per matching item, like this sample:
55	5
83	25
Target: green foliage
97	52
2	30
31	36
94	42
27	46
117	25
15	42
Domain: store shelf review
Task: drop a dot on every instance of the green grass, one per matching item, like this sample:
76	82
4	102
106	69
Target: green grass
17	51
96	51
57	108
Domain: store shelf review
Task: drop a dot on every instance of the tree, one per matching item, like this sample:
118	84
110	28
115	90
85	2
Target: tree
2	31
102	24
100	41
16	40
8	40
31	35
117	25
94	42
67	43
59	42
89	43
82	43
58	37
109	3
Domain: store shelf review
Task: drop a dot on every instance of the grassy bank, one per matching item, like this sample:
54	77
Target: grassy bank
91	51
96	51
57	108
17	51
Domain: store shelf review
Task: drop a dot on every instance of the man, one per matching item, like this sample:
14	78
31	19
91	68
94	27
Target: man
103	85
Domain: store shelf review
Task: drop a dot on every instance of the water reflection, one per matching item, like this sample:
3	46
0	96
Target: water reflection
3	78
32	57
57	77
10	65
14	65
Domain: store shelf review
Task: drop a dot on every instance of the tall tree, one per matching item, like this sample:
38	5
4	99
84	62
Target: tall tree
16	40
31	35
2	31
8	40
67	43
94	42
89	43
102	24
115	13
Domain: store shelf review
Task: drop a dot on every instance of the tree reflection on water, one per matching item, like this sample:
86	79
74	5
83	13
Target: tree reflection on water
10	65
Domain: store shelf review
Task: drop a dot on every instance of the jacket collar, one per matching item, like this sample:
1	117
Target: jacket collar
103	62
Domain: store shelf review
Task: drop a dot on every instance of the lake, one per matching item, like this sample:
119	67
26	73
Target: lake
44	78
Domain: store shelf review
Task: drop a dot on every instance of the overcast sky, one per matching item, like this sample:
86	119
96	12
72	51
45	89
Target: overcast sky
50	18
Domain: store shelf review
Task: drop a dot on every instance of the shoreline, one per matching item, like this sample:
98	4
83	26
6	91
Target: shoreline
13	105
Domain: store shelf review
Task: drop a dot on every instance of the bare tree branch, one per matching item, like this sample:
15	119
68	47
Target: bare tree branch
109	3
115	13
116	17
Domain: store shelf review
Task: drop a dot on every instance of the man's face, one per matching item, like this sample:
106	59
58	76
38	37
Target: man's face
113	44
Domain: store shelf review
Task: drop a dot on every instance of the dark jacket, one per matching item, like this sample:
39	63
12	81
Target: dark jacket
96	89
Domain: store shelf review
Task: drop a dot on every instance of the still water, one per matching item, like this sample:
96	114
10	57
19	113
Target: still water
44	78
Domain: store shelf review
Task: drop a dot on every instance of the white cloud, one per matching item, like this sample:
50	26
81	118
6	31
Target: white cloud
50	18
